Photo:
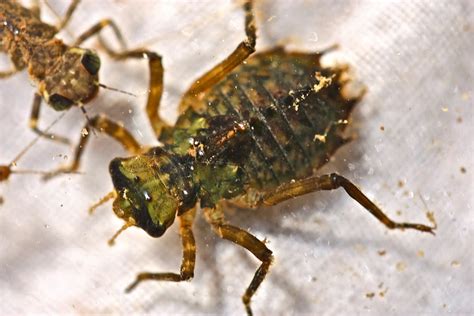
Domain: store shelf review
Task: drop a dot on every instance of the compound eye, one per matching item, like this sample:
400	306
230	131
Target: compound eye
60	103
91	62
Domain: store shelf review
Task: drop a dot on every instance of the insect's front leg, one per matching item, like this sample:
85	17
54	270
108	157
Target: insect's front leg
331	182
237	57
103	125
34	117
242	238
189	255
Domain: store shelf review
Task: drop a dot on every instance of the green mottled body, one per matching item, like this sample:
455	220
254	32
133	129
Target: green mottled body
253	119
252	130
267	123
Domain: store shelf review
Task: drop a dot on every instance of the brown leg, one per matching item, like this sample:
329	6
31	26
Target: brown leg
242	238
34	117
156	83
95	30
155	65
241	53
7	73
189	256
332	182
104	125
67	16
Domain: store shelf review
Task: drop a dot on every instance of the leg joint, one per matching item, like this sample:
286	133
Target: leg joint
186	275
337	179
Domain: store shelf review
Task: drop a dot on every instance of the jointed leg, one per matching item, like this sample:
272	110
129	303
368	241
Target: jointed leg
189	256
34	117
7	73
242	238
67	16
241	53
155	89
331	182
95	30
104	125
155	65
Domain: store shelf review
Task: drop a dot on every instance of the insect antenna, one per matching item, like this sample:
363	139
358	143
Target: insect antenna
108	88
103	200
89	123
131	222
116	90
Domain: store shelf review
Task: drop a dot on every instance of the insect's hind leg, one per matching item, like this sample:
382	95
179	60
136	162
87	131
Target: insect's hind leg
331	182
34	117
240	54
242	238
189	255
104	125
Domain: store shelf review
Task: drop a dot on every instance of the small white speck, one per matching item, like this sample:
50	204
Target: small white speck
147	196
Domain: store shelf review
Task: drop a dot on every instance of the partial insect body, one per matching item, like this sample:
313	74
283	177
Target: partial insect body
255	134
251	131
65	75
263	117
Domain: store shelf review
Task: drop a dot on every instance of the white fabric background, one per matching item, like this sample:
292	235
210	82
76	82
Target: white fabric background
415	57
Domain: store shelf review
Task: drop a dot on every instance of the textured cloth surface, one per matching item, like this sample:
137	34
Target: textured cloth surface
412	154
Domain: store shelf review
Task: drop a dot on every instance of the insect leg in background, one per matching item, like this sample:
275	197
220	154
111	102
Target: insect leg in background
7	170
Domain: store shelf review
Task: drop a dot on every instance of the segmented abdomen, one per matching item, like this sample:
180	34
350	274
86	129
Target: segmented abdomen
294	124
